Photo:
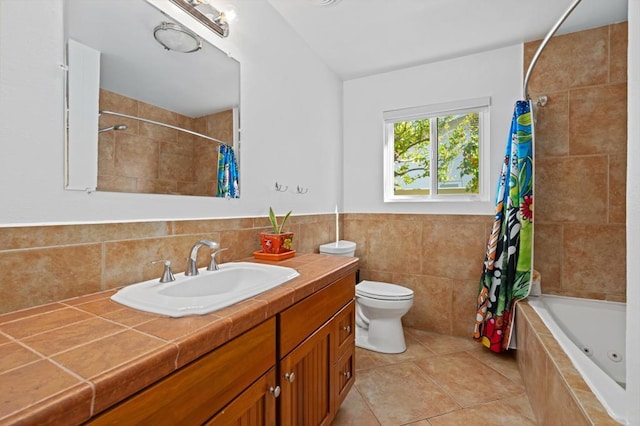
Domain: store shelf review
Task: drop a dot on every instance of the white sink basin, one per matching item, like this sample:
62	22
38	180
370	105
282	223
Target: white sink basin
206	292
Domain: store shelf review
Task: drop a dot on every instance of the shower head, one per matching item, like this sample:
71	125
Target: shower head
116	127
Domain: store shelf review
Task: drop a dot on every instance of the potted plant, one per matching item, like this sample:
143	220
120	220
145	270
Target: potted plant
276	241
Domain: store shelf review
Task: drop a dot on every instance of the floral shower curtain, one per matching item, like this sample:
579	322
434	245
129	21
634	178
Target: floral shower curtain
506	274
227	173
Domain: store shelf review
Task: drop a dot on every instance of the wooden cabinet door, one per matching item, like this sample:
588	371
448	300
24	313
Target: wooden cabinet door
305	380
345	329
344	377
344	343
256	406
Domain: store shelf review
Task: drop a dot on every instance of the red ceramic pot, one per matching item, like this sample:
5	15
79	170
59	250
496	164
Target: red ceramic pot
276	243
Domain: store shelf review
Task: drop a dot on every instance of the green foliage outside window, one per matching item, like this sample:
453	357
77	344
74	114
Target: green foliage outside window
457	150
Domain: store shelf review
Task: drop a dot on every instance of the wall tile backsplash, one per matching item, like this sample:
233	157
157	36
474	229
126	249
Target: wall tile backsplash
44	264
438	256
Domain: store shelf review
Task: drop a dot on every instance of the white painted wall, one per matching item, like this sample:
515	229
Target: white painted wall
633	213
291	118
495	73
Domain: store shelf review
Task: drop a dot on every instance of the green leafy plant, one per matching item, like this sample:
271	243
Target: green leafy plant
277	229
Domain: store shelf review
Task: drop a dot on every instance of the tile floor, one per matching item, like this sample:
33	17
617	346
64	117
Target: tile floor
440	380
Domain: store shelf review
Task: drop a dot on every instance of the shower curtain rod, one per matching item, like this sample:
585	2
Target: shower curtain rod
543	45
146	120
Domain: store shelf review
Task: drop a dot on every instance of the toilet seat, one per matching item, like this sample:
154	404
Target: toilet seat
383	291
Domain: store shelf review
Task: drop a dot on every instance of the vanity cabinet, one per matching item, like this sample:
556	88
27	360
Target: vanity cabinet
293	369
316	352
193	394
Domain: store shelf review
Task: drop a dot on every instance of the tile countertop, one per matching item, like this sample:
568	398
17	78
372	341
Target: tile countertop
67	361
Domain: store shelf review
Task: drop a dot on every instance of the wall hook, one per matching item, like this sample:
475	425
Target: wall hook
281	188
300	190
542	101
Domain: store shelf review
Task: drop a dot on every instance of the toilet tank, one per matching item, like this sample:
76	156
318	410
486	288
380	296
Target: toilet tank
339	248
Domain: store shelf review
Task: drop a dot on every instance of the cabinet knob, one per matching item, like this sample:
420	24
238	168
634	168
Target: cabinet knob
347	374
275	391
290	376
347	328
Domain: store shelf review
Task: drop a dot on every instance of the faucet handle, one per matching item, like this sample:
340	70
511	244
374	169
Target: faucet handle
167	274
213	266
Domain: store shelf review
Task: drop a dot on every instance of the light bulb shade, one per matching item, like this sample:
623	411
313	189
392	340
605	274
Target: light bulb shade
174	37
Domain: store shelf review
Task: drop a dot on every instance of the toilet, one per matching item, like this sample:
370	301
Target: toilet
379	308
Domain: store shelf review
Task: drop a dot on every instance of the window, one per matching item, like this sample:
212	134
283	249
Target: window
437	152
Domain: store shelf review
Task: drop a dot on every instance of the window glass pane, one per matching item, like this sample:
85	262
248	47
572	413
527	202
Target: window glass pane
411	154
458	143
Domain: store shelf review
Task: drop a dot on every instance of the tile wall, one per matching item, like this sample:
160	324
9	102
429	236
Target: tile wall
581	138
148	158
439	257
43	264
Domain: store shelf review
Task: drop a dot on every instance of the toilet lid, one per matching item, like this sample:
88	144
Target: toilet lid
383	291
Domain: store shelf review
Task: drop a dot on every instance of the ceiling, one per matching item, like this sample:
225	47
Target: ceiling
357	38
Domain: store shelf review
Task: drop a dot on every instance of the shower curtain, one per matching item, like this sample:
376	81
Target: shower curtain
228	174
506	273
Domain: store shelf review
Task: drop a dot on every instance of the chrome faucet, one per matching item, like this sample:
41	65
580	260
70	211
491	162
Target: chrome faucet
192	262
167	273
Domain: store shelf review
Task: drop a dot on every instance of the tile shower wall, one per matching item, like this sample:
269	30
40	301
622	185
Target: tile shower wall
581	138
439	257
148	158
42	264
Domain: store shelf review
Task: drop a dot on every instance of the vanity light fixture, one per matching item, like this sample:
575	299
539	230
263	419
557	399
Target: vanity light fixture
174	37
206	14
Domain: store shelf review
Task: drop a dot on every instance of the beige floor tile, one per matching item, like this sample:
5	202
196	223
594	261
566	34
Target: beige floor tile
402	393
415	351
440	343
504	362
440	380
354	412
506	412
467	380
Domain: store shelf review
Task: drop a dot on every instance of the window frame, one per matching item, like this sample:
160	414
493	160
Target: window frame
481	106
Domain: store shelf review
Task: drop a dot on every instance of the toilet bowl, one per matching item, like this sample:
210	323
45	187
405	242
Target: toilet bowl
379	309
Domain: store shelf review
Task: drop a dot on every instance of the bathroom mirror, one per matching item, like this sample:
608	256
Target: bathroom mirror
111	44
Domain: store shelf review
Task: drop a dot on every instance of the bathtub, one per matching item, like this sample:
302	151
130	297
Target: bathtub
592	333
